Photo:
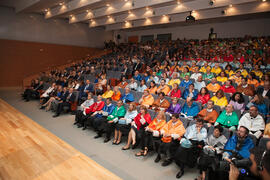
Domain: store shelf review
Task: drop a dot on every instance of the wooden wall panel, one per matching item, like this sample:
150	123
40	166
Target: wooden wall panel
19	59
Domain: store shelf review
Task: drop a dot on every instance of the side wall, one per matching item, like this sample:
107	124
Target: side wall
19	59
35	28
257	27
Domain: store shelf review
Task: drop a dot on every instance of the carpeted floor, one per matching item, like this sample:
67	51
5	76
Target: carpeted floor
122	163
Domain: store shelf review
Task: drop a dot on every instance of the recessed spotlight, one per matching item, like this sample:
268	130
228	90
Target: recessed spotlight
107	5
61	4
230	5
178	2
263	0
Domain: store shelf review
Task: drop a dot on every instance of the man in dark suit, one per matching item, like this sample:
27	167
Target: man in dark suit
264	90
85	90
137	66
33	91
67	99
126	71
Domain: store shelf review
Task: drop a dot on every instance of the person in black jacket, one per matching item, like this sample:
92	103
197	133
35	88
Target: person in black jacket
67	100
33	91
264	90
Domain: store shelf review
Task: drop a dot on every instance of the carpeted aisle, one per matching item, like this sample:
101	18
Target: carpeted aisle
122	163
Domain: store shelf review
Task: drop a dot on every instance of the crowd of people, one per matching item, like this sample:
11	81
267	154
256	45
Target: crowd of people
187	100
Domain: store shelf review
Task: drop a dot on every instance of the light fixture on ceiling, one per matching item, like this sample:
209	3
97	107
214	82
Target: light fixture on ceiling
61	4
108	5
190	18
46	10
263	0
211	2
178	2
230	5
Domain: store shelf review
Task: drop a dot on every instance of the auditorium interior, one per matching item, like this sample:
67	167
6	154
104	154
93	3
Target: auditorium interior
135	89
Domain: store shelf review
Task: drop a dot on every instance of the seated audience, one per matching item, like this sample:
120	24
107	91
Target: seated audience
97	118
174	107
245	88
199	83
222	77
123	124
152	88
252	80
123	82
228	88
190	108
186	82
240	143
219	99
190	146
196	74
258	101
84	90
152	131
266	133
175	92
142	86
112	119
208	114
33	90
116	94
212	147
133	84
253	122
108	93
264	90
161	103
127	97
142	120
228	118
46	95
190	92
236	78
163	87
137	76
213	86
171	133
238	102
216	69
147	99
174	80
203	96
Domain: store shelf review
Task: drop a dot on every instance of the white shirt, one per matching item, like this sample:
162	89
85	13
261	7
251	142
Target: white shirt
47	92
253	124
195	76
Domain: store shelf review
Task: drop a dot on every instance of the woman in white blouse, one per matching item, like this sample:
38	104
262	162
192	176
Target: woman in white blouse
124	123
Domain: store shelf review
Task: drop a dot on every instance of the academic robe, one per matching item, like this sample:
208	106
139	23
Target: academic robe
97	106
248	91
213	87
117	113
170	128
164	104
126	98
156	125
108	109
229	89
174	110
244	151
165	89
122	85
117	96
148	100
222	102
175	93
137	119
203	99
190	111
210	117
107	94
228	120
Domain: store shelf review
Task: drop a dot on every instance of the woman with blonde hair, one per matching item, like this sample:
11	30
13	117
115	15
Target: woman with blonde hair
137	127
124	123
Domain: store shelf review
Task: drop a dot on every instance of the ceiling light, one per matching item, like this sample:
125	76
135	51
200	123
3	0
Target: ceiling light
230	5
61	4
263	0
211	2
178	2
107	5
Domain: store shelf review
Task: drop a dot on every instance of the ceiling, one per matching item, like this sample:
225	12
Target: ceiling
141	14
